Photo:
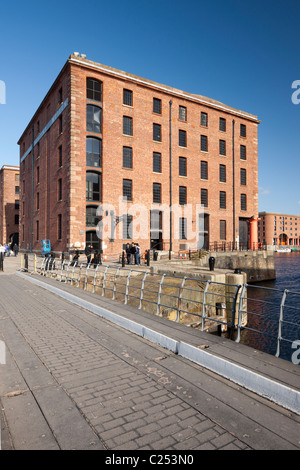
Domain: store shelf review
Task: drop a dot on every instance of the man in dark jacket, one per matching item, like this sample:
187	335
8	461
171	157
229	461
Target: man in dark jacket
88	253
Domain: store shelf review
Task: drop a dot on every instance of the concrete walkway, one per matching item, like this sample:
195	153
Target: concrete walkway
75	380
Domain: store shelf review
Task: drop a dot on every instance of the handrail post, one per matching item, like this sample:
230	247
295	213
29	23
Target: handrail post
95	276
104	281
240	313
61	271
142	289
279	337
86	276
127	286
115	283
179	299
204	305
159	294
233	311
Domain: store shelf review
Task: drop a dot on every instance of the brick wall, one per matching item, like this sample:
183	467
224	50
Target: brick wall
9	184
73	172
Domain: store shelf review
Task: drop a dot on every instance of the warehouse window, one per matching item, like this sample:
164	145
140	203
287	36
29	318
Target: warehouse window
222	200
243	177
243	202
222	125
182	228
204	197
127	125
204	119
204	170
182	166
222	229
127	97
182	138
127	189
243	130
127	157
93	186
222	174
182	195
157	132
127	226
93	89
93	152
156	105
93	119
204	143
222	147
243	152
182	113
157	193
92	219
59	227
156	162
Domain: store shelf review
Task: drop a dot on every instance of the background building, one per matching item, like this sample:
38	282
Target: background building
103	136
9	204
278	229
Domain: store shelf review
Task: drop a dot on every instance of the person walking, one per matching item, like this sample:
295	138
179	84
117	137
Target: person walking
16	249
88	253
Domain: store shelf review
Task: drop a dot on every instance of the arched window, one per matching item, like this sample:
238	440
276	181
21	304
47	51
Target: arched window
92	219
93	89
93	186
93	152
93	119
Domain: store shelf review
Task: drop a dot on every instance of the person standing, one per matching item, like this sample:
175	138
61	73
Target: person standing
132	253
88	253
137	254
128	253
16	249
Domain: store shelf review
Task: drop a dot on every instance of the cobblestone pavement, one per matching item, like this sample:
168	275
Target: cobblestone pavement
75	381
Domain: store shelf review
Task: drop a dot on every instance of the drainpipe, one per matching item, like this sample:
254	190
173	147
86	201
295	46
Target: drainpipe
233	183
170	164
32	181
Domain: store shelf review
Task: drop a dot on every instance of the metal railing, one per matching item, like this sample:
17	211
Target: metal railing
264	318
272	318
201	303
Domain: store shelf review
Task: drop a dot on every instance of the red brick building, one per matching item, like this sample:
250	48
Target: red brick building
9	204
278	229
105	137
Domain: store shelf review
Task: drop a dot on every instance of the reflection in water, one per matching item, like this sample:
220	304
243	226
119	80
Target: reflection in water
263	307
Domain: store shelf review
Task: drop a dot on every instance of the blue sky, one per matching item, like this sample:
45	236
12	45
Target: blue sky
244	53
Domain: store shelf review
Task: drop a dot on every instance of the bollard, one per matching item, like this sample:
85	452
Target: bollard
211	263
123	259
1	262
148	257
26	261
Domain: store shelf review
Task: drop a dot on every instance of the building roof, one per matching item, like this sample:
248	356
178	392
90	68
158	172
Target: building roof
81	60
279	214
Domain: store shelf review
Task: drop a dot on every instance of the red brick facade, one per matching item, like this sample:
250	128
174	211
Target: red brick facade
9	204
278	229
59	207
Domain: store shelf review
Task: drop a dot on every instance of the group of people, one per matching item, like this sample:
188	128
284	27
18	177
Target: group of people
133	253
8	248
89	251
